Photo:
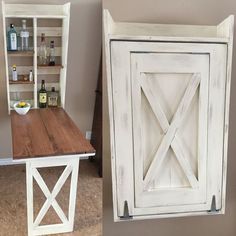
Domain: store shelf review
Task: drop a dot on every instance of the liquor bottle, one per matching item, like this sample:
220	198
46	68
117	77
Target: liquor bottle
52	54
43	96
12	38
14	73
42	51
53	98
24	35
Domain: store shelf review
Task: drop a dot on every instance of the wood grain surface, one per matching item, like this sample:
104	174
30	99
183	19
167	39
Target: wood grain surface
46	132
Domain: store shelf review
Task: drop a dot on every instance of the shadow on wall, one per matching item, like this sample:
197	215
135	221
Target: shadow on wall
83	61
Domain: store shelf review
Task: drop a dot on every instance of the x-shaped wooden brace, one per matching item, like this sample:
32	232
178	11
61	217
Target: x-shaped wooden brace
51	201
171	137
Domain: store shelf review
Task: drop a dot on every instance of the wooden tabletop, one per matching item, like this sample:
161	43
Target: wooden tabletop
46	132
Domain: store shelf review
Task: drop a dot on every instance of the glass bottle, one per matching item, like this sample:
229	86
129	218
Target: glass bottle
53	98
31	76
52	54
43	96
24	35
12	38
14	73
42	51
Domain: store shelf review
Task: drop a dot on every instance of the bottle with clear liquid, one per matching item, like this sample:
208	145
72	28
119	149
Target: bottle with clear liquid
52	54
53	98
12	38
42	51
24	35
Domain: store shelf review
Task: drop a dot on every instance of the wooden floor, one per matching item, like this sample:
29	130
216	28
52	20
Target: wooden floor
13	200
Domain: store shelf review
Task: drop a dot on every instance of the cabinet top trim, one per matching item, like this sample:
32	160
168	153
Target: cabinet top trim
169	39
168	32
35	10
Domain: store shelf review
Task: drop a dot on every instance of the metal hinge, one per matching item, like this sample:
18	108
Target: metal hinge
213	205
126	214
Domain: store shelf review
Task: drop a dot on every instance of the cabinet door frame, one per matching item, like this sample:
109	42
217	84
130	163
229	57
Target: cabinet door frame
196	67
121	115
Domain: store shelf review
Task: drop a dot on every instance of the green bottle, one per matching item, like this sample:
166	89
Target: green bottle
12	38
42	96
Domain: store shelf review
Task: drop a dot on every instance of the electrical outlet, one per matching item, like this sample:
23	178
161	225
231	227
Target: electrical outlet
88	135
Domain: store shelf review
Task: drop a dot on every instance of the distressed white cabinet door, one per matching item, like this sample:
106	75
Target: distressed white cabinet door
167	126
170	97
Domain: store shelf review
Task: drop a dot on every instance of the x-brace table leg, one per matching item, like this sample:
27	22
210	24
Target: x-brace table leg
72	167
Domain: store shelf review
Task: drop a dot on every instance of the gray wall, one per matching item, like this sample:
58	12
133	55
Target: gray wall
83	66
177	12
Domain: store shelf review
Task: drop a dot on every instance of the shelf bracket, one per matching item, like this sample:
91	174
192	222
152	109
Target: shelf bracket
126	214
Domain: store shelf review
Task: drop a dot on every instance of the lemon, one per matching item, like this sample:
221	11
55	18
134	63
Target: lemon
22	104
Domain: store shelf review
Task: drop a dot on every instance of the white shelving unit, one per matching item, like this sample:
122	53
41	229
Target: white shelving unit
53	21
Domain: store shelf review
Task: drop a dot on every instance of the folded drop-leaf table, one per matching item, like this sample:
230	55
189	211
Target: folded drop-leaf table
49	138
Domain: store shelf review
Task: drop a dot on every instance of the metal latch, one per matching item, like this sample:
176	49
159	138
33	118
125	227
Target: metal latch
213	205
126	214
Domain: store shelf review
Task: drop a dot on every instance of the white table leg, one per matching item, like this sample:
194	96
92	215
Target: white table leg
30	207
72	167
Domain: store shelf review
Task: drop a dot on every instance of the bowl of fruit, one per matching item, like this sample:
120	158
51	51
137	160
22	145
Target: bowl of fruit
22	107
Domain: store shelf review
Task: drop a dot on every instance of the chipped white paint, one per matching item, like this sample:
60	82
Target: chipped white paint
168	157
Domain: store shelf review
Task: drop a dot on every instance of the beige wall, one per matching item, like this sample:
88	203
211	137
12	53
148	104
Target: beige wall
178	12
83	66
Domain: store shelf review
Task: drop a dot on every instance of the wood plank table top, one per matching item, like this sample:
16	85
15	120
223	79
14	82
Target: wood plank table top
46	132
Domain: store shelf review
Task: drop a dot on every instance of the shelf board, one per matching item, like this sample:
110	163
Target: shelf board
21	82
49	31
41	16
50	67
20	53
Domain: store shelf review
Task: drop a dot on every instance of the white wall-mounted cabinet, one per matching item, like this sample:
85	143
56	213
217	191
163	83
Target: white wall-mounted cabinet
53	21
168	91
